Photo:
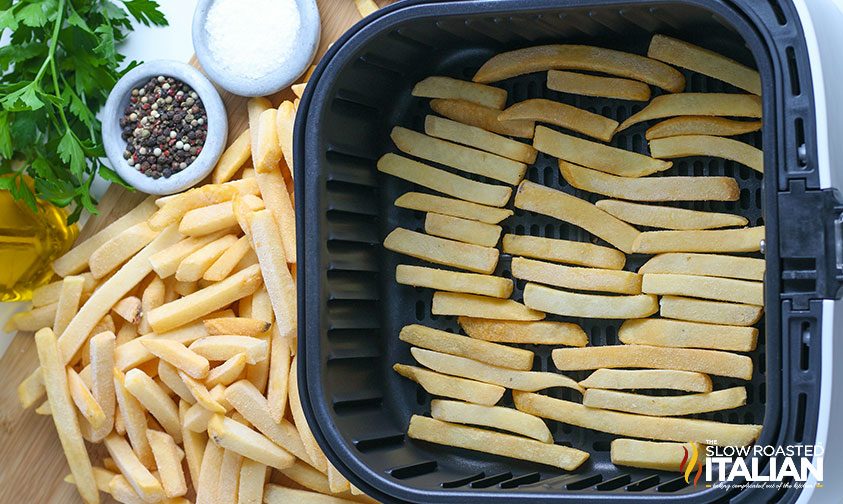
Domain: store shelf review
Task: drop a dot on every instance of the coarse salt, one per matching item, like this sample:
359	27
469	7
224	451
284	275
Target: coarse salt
251	38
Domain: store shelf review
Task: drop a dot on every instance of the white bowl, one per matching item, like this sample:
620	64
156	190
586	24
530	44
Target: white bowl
214	141
288	70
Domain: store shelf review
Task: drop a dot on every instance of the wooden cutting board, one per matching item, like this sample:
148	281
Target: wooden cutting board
32	464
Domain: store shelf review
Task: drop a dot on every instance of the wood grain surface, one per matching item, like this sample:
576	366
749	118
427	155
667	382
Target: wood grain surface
32	464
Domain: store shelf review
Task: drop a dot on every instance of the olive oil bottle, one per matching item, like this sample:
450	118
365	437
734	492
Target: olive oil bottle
29	243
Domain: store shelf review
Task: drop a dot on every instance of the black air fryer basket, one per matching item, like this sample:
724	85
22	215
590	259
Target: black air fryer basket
351	308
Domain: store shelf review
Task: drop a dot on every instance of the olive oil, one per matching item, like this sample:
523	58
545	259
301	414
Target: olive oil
29	243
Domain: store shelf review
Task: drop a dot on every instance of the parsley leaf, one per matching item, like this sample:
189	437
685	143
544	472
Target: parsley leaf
145	11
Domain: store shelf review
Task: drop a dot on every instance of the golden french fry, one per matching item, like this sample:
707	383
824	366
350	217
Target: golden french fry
228	261
700	125
205	195
102	381
166	262
204	301
76	260
653	455
298	89
716	240
234	436
233	158
447	87
277	279
229	477
102	476
278	202
214	218
482	117
169	376
448	206
117	250
563	115
452	386
643	356
588	279
564	251
665	406
479	350
227	372
50	293
201	394
580	57
647	379
458	156
467	231
134	419
252	481
317	458
497	417
178	355
307	477
444	181
209	473
697	104
254	108
68	302
32	320
721	289
67	425
243	326
650	188
196	417
748	268
593	85
221	348
279	373
155	400
475	370
682	54
274	494
544	200
84	400
669	217
471	438
453	281
268	153
575	304
472	305
479	138
336	481
678	333
437	250
197	263
625	424
143	482
129	309
709	312
707	145
531	333
285	121
168	462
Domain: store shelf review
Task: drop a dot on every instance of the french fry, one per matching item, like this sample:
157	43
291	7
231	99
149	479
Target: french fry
562	115
564	251
447	87
134	419
261	310
588	279
479	371
336	481
449	206
682	54
479	138
152	297
126	333
580	57
464	230
196	417
117	250
233	158
437	250
479	350
50	293
597	156
76	260
575	304
707	145
32	320
274	494
443	181
298	89
471	438
178	355
653	455
228	261
453	281
205	195
143	482
252	481
482	117
458	156
31	389
227	372
168	462
68	302
169	376
201	394
194	266
84	400
102	476
214	218
64	416
204	301
747	268
709	312
697	104
276	275
234	436
650	188
317	458
544	200
221	348
643	356
155	400
669	217
166	262
307	477
129	309
531	333
681	334
452	386
721	289
625	424
209	473
243	326
665	406
102	381
497	417
647	379
285	120
254	108
278	202
229	477
279	373
472	305
717	240
700	125
593	85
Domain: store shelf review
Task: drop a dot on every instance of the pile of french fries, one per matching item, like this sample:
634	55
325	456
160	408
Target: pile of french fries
707	299
171	341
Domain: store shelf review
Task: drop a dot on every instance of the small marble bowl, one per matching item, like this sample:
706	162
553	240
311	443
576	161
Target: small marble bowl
214	142
287	71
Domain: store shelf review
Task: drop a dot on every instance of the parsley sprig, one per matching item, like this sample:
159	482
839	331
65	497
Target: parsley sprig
56	71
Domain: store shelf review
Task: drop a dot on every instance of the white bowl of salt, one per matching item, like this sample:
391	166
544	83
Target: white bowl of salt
255	47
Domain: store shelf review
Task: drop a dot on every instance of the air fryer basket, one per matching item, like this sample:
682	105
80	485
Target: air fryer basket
352	309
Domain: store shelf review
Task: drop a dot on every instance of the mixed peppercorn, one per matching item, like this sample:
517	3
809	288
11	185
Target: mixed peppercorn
164	126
